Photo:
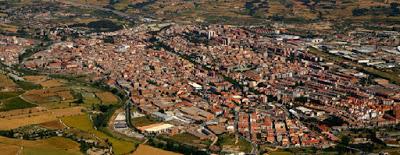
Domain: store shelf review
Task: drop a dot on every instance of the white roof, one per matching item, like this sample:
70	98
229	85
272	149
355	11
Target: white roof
159	127
195	85
120	117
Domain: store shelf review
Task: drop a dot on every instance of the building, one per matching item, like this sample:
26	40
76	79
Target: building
157	128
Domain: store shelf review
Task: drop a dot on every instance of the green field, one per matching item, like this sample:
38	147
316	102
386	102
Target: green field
6	95
15	103
280	153
47	151
50	146
27	85
143	121
185	138
83	123
229	140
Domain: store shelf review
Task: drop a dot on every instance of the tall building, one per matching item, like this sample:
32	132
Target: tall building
210	34
227	41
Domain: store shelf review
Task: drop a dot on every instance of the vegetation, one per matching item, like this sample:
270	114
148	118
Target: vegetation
6	95
230	140
143	121
101	120
280	153
27	85
100	26
185	138
15	103
392	10
55	145
173	145
145	149
83	123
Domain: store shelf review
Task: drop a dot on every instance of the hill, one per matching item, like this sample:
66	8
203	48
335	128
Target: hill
256	11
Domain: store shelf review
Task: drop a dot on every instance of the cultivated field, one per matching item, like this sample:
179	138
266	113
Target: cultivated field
148	150
50	96
53	125
23	117
6	83
8	28
37	79
14	103
52	83
55	145
107	97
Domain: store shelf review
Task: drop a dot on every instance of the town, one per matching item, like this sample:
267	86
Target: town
256	83
266	87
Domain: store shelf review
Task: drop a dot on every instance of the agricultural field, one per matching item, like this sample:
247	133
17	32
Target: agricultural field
7	84
107	97
10	95
83	123
54	145
9	149
280	153
52	83
6	95
7	28
145	150
49	102
14	103
35	79
38	115
56	93
52	125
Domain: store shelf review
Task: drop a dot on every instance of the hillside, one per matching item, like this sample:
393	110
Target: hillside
244	11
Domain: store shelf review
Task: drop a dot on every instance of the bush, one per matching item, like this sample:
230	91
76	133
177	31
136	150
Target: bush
360	12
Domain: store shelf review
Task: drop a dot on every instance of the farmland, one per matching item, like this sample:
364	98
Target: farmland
22	117
58	93
6	83
145	149
5	95
53	125
83	123
107	97
14	103
53	145
44	101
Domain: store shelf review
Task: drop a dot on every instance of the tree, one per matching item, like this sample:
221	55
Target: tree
360	11
394	9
